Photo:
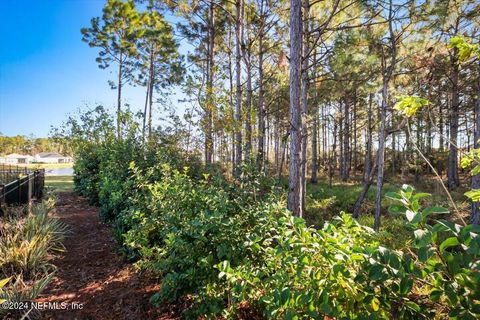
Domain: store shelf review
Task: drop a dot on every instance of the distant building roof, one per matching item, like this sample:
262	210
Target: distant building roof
50	155
16	155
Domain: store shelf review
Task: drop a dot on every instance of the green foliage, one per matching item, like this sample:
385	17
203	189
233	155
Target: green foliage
448	255
465	49
226	247
341	272
29	145
472	160
183	229
409	105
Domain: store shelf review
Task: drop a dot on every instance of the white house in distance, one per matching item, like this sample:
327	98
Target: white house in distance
51	157
16	158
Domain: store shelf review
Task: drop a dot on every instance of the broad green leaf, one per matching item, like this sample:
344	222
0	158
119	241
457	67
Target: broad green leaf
420	195
406	285
474	195
436	210
393	196
397	209
412	305
450	242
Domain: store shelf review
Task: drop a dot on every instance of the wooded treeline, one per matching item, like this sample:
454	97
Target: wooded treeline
30	145
307	87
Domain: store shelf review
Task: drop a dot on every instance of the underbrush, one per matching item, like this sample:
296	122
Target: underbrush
28	244
231	249
234	251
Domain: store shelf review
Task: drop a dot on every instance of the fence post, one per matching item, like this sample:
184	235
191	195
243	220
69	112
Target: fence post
19	189
30	189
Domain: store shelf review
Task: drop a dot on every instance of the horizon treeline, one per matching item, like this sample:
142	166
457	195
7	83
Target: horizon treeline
30	145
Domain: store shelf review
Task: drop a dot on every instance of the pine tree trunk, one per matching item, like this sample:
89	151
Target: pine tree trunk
381	154
475	217
248	106
333	158
304	103
346	145
144	125
210	71
355	153
119	96
452	171
294	183
238	79
232	113
152	86
261	107
368	147
366	186
313	178
387	75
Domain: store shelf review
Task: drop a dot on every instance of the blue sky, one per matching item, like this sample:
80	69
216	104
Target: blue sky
46	71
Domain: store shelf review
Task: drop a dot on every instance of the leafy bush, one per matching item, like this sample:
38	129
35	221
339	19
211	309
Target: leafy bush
341	272
448	254
233	250
181	228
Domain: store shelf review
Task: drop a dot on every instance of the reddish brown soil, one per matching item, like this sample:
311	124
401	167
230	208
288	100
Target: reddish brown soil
93	274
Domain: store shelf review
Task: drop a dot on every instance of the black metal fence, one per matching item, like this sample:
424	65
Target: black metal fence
20	185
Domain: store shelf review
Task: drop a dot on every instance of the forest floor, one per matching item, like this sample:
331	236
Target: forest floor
92	274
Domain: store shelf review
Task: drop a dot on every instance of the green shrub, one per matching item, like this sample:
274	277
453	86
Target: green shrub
181	228
231	249
340	271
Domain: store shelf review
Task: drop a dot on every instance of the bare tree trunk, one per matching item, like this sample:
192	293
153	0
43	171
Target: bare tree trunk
394	153
452	171
313	178
381	154
294	182
238	72
324	137
355	158
346	143
475	217
368	153
365	188
261	106
304	102
440	124
276	146
152	86
232	113
340	140
144	125
284	153
387	75
210	71
333	158
248	106
119	96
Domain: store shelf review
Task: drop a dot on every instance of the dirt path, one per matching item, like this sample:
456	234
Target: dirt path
92	274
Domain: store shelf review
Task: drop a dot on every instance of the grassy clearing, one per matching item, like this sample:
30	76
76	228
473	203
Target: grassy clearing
59	183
